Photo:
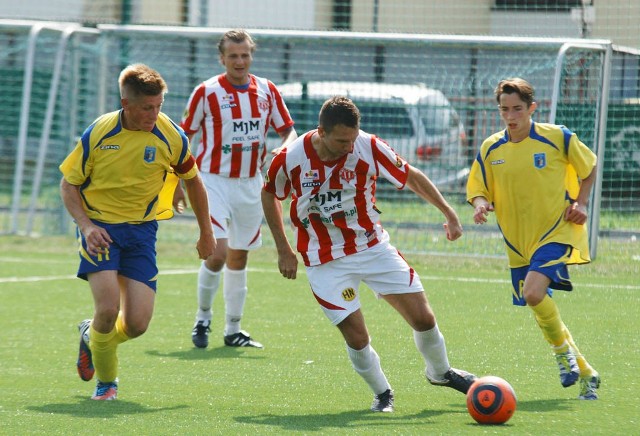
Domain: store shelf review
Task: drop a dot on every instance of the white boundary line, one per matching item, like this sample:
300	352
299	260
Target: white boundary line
173	272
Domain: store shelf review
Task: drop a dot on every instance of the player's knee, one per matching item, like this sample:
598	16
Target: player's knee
136	328
105	318
425	323
532	297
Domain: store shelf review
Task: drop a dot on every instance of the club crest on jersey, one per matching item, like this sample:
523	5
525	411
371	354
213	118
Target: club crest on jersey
347	175
540	160
349	294
149	153
398	161
263	105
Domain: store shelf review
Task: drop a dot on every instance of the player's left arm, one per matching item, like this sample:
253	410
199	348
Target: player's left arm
419	183
287	135
200	204
583	161
577	212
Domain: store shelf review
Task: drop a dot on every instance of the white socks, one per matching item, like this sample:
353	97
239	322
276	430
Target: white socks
235	295
366	362
208	283
432	347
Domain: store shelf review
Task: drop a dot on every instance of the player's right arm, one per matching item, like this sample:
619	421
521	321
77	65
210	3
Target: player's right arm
287	259
97	238
272	208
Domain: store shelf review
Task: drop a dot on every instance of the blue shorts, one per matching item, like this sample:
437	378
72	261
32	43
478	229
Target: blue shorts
550	260
132	252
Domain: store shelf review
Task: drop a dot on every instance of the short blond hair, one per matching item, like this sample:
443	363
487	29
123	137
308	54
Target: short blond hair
139	79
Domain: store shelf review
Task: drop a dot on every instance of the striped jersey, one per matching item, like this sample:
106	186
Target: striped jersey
234	124
333	206
530	184
121	172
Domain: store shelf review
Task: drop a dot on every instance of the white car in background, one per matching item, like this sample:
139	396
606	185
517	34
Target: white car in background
418	122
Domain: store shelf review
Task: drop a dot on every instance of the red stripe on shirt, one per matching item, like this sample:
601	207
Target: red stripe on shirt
216	152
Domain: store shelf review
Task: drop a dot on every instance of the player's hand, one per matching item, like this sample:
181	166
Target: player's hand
481	211
453	229
576	213
288	264
97	239
179	199
277	150
206	245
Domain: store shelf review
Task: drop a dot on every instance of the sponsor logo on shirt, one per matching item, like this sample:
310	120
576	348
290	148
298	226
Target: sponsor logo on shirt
246	126
110	147
329	197
239	148
540	160
497	162
149	153
311	179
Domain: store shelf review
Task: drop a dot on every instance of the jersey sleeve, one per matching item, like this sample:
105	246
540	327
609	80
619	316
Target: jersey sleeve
280	117
277	180
389	164
479	179
194	111
581	157
77	166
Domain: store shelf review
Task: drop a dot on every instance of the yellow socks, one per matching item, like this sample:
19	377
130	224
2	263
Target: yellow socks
548	318
104	350
585	369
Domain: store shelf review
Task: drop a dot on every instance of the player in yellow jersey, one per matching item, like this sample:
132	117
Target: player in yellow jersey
537	179
110	185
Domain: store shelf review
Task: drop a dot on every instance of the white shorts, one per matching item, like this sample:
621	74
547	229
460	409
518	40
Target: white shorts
236	209
381	267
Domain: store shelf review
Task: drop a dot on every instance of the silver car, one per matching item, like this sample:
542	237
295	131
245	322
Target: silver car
418	122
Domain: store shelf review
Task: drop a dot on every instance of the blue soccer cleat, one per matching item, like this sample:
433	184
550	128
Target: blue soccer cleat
569	371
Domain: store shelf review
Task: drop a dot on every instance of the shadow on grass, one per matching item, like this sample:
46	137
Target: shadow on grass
88	408
340	421
211	353
551	405
360	418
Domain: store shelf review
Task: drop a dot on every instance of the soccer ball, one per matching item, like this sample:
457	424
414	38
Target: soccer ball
491	400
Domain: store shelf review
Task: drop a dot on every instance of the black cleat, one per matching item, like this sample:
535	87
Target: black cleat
383	402
241	339
457	379
200	333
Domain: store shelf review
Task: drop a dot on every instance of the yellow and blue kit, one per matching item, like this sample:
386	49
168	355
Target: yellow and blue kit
530	184
121	172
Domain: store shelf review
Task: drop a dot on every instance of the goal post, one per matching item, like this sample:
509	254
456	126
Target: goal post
77	81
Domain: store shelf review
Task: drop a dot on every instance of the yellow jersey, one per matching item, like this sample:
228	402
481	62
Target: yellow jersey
121	172
530	184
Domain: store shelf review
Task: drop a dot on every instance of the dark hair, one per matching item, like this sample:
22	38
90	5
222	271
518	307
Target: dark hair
237	36
138	79
338	110
515	85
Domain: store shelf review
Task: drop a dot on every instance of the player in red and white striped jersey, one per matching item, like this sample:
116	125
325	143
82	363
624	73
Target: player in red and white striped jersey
330	174
233	111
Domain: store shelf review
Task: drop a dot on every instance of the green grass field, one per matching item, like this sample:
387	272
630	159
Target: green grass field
302	382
